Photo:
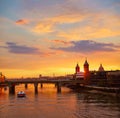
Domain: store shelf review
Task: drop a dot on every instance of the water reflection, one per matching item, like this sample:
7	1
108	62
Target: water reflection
97	105
49	104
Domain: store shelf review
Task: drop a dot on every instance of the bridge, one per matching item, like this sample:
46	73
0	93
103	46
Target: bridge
11	83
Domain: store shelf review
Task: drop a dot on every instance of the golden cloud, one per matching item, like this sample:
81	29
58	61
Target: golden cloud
49	24
44	27
67	18
95	25
88	33
103	25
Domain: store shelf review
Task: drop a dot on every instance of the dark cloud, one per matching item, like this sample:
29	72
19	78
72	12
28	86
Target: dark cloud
21	49
86	46
61	41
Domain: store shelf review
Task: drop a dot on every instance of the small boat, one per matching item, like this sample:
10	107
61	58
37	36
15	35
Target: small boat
21	94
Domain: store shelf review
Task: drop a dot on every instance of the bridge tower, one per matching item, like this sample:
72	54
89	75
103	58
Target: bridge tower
78	74
77	69
86	67
86	72
2	77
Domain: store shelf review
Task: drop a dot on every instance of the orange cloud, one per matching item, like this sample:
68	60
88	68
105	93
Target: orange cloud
92	30
44	27
85	34
22	21
95	25
68	18
50	24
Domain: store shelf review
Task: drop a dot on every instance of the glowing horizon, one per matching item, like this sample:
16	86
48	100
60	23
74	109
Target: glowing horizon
50	37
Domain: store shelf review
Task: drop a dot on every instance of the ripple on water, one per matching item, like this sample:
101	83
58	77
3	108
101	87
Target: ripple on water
49	104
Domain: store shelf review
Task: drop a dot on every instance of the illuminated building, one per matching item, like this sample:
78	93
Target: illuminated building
78	74
86	67
2	77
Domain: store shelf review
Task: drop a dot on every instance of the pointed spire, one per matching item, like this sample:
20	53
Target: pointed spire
77	64
77	69
86	63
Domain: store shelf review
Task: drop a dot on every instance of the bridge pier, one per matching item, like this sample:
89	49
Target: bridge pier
41	85
26	86
77	84
36	88
59	87
11	89
55	85
58	83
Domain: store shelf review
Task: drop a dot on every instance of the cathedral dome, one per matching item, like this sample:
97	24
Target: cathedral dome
101	68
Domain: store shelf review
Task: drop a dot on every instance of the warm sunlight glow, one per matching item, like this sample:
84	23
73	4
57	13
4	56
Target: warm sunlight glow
49	38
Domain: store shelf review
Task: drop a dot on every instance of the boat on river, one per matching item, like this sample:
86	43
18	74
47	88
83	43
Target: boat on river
21	94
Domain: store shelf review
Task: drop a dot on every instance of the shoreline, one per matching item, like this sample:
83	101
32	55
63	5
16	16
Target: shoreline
97	90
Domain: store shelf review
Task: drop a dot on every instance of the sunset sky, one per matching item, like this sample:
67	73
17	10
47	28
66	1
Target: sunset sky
51	36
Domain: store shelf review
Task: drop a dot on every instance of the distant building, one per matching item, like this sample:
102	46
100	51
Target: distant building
113	78
97	78
40	76
113	74
70	76
86	70
101	68
86	67
78	74
77	68
2	77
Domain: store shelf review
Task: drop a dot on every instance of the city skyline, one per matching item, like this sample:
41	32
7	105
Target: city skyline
46	37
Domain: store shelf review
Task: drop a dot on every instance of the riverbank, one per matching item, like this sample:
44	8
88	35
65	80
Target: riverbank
96	89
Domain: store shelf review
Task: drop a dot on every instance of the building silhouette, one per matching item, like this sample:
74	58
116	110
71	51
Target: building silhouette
86	67
78	74
2	77
101	68
99	77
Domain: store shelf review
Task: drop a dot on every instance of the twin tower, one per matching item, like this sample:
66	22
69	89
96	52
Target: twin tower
82	74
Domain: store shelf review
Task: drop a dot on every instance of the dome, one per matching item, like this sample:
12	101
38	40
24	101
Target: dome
101	68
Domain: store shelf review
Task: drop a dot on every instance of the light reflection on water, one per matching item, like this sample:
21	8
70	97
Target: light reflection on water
49	104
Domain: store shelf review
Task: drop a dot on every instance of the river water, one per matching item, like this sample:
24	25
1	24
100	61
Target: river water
50	104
